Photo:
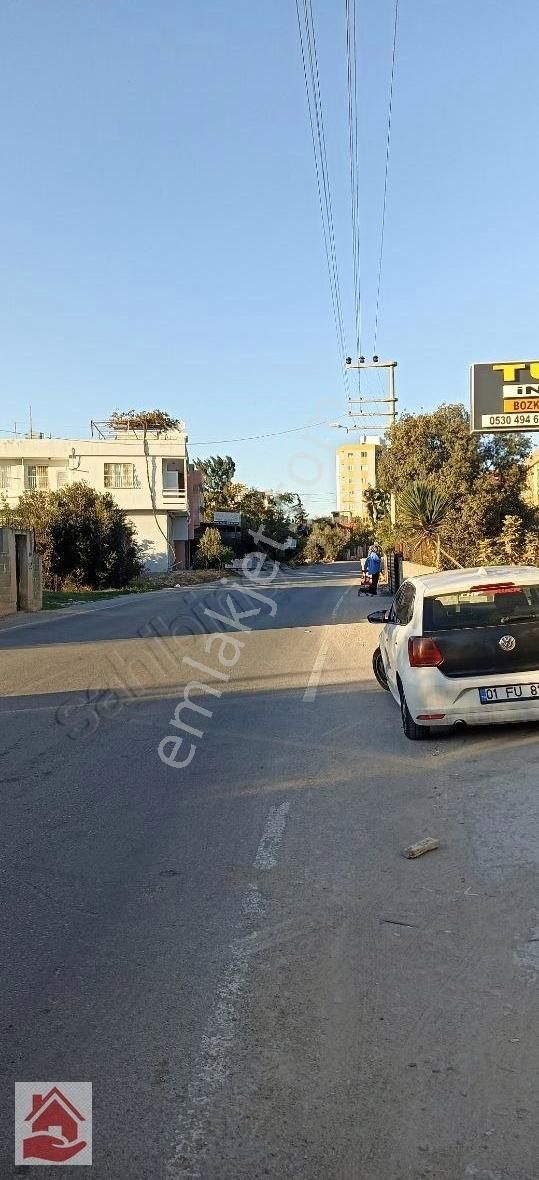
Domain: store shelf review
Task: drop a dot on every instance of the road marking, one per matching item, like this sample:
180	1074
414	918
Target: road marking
335	610
266	857
213	1063
318	666
316	674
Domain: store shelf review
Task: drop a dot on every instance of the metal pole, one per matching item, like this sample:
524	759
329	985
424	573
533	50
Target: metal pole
393	411
390	413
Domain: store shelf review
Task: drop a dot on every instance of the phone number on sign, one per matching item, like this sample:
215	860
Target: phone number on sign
510	420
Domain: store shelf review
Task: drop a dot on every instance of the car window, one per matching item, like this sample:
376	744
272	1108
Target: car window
486	607
403	605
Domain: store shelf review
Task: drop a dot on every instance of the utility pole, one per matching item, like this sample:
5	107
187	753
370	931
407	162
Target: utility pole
385	417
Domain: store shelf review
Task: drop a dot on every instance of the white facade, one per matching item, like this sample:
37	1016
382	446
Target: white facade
357	465
149	481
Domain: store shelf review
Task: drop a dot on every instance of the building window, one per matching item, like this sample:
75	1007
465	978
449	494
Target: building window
120	475
173	476
5	476
37	476
61	478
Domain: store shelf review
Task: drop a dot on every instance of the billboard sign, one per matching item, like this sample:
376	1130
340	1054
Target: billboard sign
504	396
230	519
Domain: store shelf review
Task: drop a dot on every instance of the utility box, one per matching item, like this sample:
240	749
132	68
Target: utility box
21	580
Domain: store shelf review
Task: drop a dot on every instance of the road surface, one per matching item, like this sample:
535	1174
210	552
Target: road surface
234	951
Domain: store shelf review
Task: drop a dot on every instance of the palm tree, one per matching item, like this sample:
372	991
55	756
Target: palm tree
423	510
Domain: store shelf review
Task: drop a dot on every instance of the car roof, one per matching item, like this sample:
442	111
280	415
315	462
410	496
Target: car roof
464	579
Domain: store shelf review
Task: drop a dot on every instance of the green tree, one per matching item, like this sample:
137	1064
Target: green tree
376	502
326	542
300	518
513	546
34	511
211	553
360	533
82	535
483	476
218	471
92	542
437	447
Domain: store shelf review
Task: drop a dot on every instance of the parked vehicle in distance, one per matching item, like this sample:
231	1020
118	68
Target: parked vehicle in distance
462	648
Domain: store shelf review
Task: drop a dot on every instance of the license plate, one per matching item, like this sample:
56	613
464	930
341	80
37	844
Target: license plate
502	693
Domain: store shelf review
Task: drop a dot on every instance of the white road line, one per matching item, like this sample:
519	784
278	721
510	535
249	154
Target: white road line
335	610
318	666
266	857
316	674
211	1071
212	1067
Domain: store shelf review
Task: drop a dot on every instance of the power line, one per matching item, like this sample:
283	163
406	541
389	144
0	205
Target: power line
271	434
353	144
384	203
307	39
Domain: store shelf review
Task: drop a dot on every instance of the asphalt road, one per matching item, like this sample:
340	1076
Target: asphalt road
234	952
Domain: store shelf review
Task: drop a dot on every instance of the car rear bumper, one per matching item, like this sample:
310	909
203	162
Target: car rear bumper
428	692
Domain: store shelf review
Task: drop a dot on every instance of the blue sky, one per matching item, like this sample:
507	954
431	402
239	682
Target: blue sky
160	232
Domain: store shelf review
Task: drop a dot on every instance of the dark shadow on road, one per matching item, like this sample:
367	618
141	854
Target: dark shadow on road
185	614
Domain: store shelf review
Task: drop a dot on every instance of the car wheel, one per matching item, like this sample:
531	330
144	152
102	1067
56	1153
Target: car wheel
379	670
414	733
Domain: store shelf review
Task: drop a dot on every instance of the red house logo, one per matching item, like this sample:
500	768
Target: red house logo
53	1123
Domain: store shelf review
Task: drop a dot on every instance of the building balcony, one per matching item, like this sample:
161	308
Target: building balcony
174	497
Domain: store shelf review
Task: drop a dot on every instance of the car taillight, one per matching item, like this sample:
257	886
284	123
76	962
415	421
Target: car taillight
423	652
495	588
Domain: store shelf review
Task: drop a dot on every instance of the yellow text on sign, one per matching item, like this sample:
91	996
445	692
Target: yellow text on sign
511	368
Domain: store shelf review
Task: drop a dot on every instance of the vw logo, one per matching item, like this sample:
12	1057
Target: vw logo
507	643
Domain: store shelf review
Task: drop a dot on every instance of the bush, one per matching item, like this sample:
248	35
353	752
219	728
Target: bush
84	539
211	553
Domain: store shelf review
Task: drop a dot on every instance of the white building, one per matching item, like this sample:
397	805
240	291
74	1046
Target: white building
148	479
357	469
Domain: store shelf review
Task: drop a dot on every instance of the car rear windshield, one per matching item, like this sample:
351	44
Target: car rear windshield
485	606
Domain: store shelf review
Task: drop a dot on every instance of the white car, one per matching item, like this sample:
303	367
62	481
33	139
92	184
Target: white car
462	648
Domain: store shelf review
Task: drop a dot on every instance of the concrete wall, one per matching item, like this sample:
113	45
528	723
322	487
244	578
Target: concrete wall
8	580
150	537
27	594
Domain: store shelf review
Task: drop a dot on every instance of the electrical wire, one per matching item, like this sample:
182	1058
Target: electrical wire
307	40
353	145
384	203
218	442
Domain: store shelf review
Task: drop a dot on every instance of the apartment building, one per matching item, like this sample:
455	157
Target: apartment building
357	465
147	478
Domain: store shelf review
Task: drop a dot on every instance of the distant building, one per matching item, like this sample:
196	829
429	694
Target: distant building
357	469
149	479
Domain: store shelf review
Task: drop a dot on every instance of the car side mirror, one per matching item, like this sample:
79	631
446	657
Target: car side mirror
378	616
